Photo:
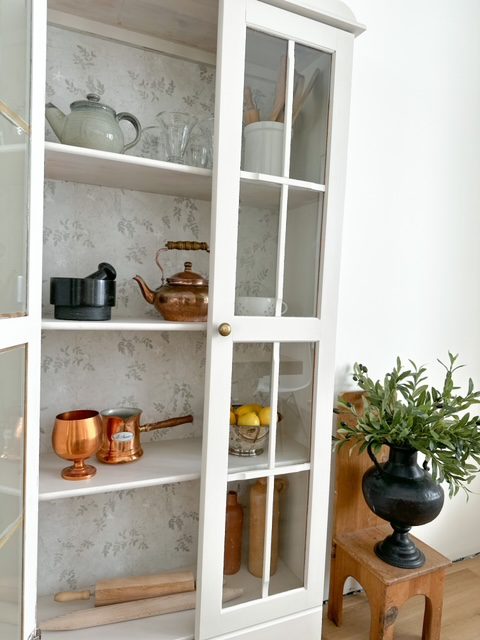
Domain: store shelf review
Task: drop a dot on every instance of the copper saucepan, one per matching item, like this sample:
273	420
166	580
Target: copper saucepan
121	433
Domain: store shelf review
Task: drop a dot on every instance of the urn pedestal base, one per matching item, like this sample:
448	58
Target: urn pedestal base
399	550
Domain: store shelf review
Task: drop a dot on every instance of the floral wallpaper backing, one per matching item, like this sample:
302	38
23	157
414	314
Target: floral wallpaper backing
144	530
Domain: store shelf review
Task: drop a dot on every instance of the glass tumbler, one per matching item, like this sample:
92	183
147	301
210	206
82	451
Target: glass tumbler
178	127
198	151
206	127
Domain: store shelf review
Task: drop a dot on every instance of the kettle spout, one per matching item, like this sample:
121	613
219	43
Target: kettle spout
55	118
147	293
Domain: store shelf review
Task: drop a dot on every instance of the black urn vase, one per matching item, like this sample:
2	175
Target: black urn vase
404	494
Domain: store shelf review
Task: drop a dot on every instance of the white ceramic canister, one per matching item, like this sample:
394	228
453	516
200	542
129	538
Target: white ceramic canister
264	147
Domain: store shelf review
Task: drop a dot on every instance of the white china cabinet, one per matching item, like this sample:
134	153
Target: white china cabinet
271	80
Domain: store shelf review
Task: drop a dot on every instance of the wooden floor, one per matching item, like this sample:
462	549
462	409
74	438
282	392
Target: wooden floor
461	610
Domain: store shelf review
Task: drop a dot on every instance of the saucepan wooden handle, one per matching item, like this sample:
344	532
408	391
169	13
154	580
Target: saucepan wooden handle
164	424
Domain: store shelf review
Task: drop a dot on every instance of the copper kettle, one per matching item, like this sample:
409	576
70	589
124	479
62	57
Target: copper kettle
184	297
121	433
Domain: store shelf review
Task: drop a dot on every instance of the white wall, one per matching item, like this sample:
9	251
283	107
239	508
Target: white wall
411	260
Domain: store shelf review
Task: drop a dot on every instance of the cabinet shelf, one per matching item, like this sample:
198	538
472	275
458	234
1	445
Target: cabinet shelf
170	626
90	166
289	453
163	462
121	324
263	190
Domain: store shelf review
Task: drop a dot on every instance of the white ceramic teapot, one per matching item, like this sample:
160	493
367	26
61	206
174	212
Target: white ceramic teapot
91	124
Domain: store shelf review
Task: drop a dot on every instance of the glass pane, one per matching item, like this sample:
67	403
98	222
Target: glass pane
237	542
12	376
257	249
245	533
302	252
295	396
14	110
250	417
311	96
289	532
264	101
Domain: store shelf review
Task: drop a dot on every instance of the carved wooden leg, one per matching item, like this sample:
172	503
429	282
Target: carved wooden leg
337	581
432	619
382	625
383	610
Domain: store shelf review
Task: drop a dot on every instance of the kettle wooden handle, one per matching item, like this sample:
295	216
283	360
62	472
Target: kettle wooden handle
187	245
164	424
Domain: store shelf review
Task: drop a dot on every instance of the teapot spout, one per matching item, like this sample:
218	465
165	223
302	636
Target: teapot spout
55	118
147	293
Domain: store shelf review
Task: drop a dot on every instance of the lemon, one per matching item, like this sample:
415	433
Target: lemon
233	418
249	419
265	416
248	408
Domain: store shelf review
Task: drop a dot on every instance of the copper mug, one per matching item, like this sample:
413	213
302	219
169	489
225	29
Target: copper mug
121	433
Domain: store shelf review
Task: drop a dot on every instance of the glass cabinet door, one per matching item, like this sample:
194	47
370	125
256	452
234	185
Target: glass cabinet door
19	330
277	219
12	390
14	149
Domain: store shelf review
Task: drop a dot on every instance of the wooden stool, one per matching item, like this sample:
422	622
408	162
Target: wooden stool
356	530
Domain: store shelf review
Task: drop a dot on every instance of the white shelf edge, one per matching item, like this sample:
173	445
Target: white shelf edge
122	158
258	472
249	176
292	458
121	324
119	171
163	462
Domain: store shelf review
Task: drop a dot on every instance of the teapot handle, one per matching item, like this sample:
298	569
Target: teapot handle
136	124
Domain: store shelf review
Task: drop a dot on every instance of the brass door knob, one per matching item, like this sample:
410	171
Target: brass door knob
224	329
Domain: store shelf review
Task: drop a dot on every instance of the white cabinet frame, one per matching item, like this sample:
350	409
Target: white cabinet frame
235	16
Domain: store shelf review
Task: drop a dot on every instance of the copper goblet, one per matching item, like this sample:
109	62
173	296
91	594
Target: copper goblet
77	436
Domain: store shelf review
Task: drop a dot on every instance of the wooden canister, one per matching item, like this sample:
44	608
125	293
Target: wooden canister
233	535
258	503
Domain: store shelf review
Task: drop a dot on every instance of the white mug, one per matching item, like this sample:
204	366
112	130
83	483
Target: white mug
257	306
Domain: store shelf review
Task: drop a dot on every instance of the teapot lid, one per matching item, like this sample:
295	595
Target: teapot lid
188	277
92	101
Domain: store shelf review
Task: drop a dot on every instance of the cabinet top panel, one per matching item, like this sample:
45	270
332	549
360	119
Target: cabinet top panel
188	22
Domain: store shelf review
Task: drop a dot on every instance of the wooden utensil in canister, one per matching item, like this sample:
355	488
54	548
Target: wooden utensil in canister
250	113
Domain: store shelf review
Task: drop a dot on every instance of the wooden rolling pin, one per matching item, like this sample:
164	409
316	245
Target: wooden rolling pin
128	611
133	588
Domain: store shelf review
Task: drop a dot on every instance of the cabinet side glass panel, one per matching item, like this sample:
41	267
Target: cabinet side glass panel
14	152
12	389
311	97
295	397
250	411
264	102
302	252
245	530
289	532
257	250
